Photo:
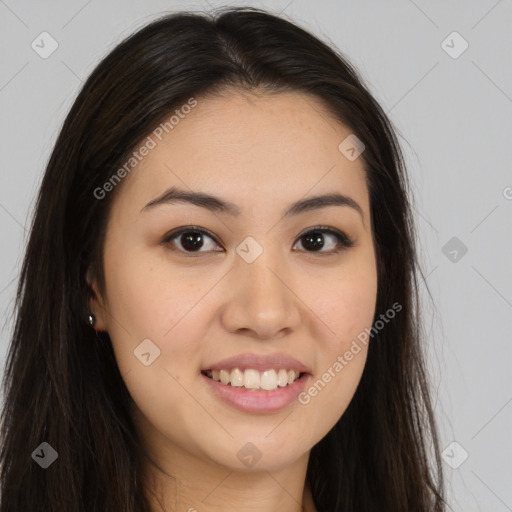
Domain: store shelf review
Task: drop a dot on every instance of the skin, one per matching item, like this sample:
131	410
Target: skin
262	152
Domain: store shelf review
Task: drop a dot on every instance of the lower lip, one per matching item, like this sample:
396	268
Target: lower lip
258	401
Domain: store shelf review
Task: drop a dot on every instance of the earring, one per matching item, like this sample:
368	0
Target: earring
92	320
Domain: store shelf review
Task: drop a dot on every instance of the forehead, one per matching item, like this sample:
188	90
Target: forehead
251	149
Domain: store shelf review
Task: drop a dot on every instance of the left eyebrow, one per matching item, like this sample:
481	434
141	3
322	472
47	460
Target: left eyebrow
216	204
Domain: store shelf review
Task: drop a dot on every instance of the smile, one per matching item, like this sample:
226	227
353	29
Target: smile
253	380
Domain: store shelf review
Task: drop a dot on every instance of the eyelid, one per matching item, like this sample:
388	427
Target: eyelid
344	241
185	229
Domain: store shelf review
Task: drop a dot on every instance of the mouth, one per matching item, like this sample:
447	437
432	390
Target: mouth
254	380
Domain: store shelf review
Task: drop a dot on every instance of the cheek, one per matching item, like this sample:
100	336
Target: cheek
146	302
155	313
347	306
347	303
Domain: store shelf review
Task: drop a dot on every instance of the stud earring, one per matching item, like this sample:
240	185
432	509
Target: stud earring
92	320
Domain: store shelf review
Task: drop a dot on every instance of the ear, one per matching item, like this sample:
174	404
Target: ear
96	303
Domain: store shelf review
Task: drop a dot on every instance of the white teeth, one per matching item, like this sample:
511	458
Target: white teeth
268	380
253	379
282	378
224	377
237	378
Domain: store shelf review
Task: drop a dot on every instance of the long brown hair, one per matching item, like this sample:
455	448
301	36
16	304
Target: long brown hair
62	385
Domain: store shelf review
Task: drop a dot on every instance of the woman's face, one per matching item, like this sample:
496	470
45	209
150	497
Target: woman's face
247	283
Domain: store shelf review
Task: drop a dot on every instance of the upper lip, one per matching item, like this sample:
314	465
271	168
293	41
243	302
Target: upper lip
260	362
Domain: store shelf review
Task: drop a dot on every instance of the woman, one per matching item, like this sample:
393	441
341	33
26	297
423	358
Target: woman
218	303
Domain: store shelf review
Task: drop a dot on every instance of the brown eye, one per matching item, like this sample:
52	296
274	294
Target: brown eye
317	239
190	240
321	240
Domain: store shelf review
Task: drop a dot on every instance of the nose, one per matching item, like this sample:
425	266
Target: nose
261	302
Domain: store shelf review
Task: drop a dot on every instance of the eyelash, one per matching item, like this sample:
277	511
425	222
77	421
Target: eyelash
344	242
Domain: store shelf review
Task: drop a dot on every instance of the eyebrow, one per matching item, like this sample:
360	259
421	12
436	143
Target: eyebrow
216	204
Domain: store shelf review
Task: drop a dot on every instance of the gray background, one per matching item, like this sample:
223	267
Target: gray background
454	117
